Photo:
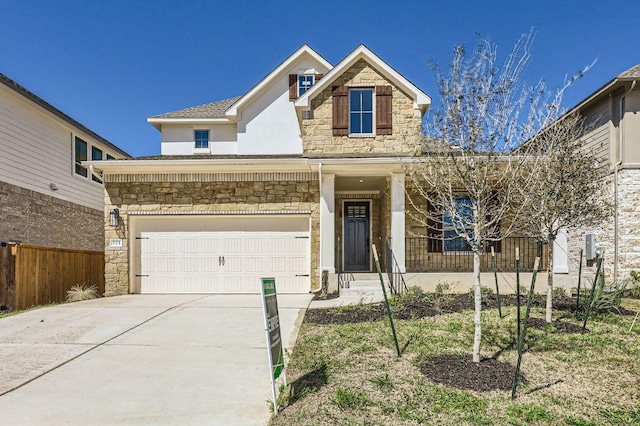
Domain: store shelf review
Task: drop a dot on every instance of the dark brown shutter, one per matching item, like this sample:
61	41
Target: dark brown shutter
434	230
318	77
340	110
383	110
293	87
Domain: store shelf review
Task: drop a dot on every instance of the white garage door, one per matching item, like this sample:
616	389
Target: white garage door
223	262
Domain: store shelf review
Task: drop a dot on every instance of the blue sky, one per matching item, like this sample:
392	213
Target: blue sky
111	64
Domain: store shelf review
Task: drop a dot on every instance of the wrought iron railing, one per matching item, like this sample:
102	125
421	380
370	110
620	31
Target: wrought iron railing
396	280
343	277
427	254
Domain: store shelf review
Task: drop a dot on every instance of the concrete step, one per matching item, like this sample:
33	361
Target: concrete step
364	284
364	291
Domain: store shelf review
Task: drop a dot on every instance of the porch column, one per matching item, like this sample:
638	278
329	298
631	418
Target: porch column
560	250
397	219
327	223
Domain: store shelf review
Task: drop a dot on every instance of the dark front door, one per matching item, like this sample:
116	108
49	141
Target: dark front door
356	236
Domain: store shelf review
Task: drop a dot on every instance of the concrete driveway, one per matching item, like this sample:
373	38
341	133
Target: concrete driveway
142	359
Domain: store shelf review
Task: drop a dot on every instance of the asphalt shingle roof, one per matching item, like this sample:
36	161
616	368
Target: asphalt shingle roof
212	110
631	73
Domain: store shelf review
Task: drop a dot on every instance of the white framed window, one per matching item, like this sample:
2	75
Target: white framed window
81	148
84	151
304	83
361	114
201	139
96	155
461	219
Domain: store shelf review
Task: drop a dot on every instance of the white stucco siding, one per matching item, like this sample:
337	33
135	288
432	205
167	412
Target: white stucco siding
179	139
269	124
36	149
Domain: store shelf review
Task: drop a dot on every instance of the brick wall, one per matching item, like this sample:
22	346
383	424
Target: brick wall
204	193
35	218
317	133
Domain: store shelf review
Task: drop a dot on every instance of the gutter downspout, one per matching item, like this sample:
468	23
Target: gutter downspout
617	168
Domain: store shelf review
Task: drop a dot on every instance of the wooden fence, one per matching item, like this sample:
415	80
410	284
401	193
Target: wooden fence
35	275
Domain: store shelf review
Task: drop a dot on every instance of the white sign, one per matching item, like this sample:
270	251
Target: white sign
115	243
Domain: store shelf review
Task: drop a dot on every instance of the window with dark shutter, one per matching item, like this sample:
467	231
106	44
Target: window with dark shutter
340	102
434	230
318	76
383	110
293	83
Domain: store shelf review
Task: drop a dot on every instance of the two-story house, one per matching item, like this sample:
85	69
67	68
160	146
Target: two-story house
614	109
300	173
47	197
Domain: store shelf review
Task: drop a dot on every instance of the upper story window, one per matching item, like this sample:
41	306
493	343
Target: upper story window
80	154
202	138
300	83
96	154
354	114
361	111
83	151
304	83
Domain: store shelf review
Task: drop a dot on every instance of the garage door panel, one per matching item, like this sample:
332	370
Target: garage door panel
224	262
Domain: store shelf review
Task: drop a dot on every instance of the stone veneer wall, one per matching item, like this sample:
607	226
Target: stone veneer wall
36	218
628	233
317	133
216	193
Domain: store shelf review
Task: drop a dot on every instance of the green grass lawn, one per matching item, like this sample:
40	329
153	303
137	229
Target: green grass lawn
348	374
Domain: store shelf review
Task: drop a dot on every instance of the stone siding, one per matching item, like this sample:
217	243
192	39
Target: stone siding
317	132
202	193
35	218
628	233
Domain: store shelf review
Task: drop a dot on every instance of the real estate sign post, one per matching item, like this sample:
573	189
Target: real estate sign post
272	331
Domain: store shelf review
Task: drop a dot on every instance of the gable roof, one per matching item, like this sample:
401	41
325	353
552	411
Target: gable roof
421	99
630	75
281	69
55	111
211	110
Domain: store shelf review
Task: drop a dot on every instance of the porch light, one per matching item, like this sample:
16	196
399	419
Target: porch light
114	217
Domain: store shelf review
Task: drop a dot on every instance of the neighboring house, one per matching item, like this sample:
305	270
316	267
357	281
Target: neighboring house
615	111
47	197
300	174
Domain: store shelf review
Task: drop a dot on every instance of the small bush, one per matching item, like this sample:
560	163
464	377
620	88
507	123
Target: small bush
81	292
605	298
559	293
442	288
634	285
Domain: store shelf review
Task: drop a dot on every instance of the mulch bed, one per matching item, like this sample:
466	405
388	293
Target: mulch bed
559	326
428	306
461	372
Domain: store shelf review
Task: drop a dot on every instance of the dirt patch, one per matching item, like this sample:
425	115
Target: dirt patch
555	326
346	315
326	296
461	372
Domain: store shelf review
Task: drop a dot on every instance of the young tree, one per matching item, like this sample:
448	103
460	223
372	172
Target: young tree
568	189
465	183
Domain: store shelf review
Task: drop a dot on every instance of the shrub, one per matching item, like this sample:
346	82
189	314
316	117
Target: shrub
442	288
605	298
559	293
81	292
